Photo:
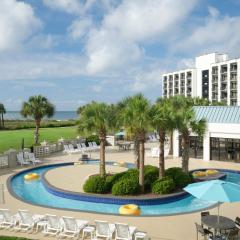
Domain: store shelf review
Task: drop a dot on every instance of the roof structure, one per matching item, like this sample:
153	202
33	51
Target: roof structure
218	114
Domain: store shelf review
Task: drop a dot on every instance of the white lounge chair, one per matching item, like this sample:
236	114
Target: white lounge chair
79	147
104	229
72	227
66	149
124	232
152	138
8	220
84	146
155	152
53	226
33	159
95	145
21	160
27	220
72	149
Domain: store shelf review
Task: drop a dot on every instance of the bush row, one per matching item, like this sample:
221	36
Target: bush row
126	183
27	124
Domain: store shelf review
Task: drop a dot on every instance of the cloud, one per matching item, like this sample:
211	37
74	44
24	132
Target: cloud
218	33
117	42
17	24
69	6
41	66
80	28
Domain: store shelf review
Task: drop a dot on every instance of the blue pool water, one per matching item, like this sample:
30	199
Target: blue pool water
35	192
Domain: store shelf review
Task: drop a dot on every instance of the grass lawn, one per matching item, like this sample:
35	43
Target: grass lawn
13	138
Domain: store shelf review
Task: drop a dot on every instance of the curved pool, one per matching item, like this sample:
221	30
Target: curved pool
36	193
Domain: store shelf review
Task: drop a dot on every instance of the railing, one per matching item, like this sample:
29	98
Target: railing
4	161
48	149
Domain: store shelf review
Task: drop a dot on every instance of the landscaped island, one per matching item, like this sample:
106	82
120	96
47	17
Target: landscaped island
127	182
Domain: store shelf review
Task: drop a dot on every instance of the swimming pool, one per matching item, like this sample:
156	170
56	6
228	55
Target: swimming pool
36	193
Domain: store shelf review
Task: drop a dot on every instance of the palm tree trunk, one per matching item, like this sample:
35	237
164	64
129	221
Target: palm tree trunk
136	151
102	156
161	154
141	165
36	134
171	144
2	120
185	152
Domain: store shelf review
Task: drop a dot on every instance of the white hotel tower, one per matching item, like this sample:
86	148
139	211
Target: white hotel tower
215	77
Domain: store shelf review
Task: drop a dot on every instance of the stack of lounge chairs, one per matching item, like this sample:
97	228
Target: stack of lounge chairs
80	148
26	158
63	227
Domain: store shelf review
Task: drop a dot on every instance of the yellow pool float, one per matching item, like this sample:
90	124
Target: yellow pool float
31	176
122	164
212	172
130	209
199	174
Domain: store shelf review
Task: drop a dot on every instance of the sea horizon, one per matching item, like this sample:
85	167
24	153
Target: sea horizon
58	115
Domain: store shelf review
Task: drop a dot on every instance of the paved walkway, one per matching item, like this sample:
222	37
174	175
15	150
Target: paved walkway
179	227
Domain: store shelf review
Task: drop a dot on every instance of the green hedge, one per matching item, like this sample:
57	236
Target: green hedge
96	184
163	186
126	187
180	178
151	174
28	124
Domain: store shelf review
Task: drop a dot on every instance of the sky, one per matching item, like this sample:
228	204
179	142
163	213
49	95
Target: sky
76	51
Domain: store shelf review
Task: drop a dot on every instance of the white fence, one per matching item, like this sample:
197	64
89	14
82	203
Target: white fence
4	161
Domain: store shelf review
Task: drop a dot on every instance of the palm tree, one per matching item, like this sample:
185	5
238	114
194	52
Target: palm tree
98	118
185	122
161	121
2	111
136	120
37	107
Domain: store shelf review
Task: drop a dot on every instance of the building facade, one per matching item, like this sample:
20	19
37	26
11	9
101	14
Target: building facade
214	77
221	140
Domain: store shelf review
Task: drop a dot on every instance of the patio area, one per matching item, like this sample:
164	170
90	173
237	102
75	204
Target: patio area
178	227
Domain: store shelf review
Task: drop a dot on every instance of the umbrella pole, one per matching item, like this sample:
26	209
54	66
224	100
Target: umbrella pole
218	211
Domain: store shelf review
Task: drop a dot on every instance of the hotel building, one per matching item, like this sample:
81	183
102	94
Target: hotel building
215	77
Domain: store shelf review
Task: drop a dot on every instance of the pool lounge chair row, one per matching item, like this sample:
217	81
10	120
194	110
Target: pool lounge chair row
81	148
67	226
27	159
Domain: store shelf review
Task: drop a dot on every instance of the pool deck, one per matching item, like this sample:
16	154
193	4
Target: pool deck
178	227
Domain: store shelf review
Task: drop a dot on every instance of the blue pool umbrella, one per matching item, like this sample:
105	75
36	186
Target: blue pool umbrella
216	190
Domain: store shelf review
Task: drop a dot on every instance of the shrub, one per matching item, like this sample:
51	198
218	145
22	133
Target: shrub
180	178
129	174
93	138
126	187
151	174
163	186
96	184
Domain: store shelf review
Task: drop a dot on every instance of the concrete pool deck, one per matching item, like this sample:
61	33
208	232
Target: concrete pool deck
179	227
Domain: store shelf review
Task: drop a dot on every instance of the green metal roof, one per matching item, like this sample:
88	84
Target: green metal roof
218	114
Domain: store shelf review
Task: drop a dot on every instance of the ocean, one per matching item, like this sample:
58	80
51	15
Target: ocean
59	115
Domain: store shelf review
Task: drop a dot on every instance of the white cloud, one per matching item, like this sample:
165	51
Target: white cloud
147	80
69	6
79	28
41	66
17	23
218	34
117	42
107	51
